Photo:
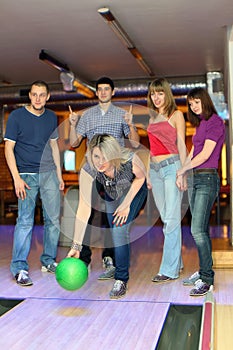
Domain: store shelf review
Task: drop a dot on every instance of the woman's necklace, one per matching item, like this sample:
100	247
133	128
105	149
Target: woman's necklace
109	181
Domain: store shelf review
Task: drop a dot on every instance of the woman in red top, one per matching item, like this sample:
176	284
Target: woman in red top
166	132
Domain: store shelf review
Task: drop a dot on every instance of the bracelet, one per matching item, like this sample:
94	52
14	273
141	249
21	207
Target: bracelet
76	246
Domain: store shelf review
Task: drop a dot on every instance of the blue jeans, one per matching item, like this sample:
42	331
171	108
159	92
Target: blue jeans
168	202
47	185
121	235
203	189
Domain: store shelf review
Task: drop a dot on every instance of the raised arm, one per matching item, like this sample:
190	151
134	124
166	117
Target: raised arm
75	139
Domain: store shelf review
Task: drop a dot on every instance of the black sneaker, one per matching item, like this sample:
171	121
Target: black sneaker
109	272
161	278
49	268
118	290
201	288
23	279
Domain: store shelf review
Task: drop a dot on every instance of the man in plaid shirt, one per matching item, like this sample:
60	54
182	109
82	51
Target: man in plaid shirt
104	118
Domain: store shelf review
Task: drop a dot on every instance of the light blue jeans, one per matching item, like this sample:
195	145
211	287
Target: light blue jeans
168	202
47	185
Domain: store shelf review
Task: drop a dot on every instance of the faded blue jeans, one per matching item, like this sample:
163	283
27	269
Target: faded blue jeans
121	234
203	189
168	199
47	185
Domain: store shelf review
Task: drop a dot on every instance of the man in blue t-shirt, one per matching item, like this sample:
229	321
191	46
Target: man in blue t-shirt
33	157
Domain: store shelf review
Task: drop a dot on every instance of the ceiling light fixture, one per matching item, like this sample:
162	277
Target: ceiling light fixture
125	39
44	56
69	82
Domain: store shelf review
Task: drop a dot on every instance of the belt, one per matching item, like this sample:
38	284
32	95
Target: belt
205	170
163	163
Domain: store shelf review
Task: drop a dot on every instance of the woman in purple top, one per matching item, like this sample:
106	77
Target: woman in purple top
203	181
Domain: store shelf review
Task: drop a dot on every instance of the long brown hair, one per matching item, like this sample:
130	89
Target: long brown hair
163	85
208	108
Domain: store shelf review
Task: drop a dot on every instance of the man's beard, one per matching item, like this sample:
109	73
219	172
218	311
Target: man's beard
38	109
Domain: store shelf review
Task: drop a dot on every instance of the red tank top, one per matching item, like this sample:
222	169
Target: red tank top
162	138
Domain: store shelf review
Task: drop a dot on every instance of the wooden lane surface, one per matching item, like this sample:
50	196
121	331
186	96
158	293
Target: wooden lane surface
223	327
50	316
74	324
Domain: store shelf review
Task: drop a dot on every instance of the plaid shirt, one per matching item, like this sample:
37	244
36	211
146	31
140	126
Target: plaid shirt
112	122
120	185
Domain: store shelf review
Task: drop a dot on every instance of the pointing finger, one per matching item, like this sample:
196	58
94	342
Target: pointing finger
130	109
70	109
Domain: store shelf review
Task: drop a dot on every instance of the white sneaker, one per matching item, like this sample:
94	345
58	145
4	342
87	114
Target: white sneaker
49	268
190	281
201	288
23	279
119	290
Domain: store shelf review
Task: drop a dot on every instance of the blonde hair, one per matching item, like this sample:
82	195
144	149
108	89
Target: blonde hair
111	149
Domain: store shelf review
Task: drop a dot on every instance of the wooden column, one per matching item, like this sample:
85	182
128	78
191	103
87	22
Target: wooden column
230	106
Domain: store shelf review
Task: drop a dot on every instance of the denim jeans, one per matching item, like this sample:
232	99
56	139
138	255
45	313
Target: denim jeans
47	185
108	251
203	189
121	235
168	202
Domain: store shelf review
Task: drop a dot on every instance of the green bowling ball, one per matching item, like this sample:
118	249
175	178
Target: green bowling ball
71	273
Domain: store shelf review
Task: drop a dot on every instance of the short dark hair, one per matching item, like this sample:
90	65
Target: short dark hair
104	80
40	83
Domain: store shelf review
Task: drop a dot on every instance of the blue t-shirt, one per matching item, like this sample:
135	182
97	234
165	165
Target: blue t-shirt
31	135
